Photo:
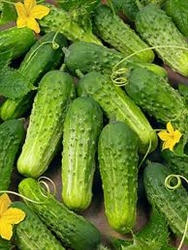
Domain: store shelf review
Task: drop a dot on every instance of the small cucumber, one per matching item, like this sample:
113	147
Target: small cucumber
72	5
89	56
56	90
73	230
114	31
158	30
118	165
83	124
46	54
62	21
122	108
17	40
157	97
12	134
173	204
32	233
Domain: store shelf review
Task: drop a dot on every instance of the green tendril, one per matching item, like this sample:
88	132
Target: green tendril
42	182
184	234
146	154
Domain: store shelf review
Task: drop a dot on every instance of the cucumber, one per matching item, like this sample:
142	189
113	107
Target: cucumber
89	56
122	108
118	165
172	204
17	40
12	134
114	31
158	29
46	54
155	96
73	5
178	11
73	230
59	20
56	91
83	124
32	233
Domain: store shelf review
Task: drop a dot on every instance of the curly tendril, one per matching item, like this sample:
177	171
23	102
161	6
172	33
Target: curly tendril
118	74
168	184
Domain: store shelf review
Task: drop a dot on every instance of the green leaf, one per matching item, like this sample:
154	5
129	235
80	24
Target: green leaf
5	58
8	13
13	84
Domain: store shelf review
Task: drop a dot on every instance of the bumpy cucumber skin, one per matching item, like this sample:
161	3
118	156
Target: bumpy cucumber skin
154	95
158	29
118	165
12	134
69	5
178	11
59	20
118	106
41	58
73	230
32	233
112	29
17	40
83	124
173	204
56	91
86	57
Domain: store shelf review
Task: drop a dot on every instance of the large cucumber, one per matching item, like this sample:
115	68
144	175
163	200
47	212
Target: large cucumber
118	106
56	90
158	30
11	136
17	40
118	165
86	57
32	233
173	204
73	230
83	124
113	30
44	55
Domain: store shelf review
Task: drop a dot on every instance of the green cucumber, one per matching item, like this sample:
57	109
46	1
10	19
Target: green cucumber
173	204
12	134
158	30
89	56
114	31
62	21
73	5
157	97
56	91
32	233
118	106
178	11
17	40
46	54
83	124
73	230
118	165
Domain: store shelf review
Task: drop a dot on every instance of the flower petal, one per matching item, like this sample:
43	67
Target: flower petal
32	24
168	144
164	135
170	128
5	230
4	203
13	216
20	9
21	22
177	135
29	4
39	11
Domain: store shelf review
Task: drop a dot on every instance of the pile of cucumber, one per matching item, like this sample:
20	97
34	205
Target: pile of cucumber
101	93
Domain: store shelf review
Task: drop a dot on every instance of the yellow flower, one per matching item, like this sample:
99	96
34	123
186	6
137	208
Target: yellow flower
169	136
28	13
8	217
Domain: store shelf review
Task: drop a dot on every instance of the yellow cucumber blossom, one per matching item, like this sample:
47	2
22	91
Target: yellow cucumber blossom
8	217
169	137
28	12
